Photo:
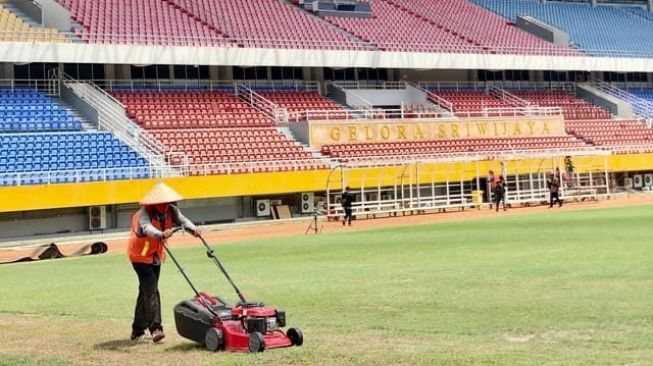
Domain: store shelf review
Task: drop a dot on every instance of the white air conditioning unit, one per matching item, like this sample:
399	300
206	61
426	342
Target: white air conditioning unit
628	183
97	217
337	199
308	202
638	181
648	180
262	208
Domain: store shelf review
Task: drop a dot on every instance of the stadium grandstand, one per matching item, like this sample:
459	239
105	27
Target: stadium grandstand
248	106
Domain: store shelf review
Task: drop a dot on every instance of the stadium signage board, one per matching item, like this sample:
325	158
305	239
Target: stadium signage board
387	130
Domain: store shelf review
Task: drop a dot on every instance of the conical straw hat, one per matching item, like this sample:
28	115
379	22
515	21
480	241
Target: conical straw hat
161	193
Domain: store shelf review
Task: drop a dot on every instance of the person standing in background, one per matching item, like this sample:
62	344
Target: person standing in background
500	193
492	185
569	170
347	200
554	190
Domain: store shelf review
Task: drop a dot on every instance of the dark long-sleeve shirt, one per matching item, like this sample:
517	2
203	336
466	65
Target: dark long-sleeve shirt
347	199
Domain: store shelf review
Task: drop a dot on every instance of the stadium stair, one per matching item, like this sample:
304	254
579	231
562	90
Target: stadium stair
265	23
20	14
22	28
42	143
150	22
112	117
351	36
642	106
246	142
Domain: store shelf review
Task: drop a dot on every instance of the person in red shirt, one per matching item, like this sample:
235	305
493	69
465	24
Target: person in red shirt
151	225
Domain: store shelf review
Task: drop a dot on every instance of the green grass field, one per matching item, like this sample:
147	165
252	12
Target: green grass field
560	288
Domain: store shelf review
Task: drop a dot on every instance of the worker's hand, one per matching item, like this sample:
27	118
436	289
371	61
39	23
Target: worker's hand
197	232
167	233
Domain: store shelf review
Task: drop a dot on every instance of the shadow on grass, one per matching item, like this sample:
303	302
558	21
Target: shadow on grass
185	347
126	344
117	345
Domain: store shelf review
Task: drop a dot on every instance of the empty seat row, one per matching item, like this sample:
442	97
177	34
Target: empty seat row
80	176
14	29
39	158
31	110
162	110
379	150
611	133
210	135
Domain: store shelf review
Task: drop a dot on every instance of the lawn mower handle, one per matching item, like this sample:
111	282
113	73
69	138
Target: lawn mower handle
211	254
164	241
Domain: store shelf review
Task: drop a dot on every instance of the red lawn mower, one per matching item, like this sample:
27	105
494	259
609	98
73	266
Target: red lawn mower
247	327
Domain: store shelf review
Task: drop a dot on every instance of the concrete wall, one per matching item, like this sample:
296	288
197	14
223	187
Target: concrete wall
55	223
542	30
337	94
22	52
83	107
439	75
380	97
415	95
47	222
615	105
55	15
300	131
30	8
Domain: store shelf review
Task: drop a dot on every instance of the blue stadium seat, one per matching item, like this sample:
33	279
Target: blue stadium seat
40	153
626	30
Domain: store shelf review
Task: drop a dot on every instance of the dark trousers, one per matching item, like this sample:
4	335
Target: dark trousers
555	197
347	214
148	304
498	198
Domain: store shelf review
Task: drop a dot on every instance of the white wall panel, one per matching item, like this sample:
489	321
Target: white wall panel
22	52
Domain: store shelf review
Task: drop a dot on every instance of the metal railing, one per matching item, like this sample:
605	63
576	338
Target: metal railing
257	101
434	98
642	106
168	85
629	149
510	85
366	114
153	172
507	97
369	84
353	100
479	155
50	87
257	166
163	85
113	117
406	113
282	85
512	112
79	175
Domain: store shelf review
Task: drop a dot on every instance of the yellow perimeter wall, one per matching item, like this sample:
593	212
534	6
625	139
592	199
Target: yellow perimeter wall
39	197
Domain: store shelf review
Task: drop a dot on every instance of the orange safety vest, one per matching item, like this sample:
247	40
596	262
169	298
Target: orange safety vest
142	248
